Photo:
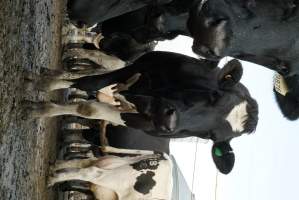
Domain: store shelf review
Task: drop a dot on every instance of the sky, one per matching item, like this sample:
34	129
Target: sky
267	161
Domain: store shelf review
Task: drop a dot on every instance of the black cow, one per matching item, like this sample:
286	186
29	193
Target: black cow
264	32
175	96
90	12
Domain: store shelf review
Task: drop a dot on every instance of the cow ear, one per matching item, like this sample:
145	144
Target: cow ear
230	74
287	97
223	156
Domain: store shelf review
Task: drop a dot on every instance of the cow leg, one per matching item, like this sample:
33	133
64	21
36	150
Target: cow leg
103	138
108	62
109	149
84	174
87	109
70	164
97	82
82	121
80	186
45	83
89	37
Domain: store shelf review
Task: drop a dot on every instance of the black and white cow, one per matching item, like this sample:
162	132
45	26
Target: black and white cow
129	138
125	174
264	32
174	96
132	34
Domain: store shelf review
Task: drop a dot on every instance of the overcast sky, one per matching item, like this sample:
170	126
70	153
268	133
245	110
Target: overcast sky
267	162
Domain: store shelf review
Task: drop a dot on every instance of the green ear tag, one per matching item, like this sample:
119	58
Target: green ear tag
218	152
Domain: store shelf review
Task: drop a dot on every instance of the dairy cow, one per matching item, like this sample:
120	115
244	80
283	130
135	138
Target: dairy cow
131	34
173	96
124	175
129	138
264	32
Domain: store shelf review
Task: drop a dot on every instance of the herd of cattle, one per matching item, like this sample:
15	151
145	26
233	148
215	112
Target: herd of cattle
154	96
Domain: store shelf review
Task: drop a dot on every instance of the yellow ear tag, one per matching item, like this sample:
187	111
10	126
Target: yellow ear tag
280	85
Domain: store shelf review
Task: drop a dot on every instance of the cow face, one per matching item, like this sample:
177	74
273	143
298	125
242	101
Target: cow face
223	156
234	111
240	28
229	113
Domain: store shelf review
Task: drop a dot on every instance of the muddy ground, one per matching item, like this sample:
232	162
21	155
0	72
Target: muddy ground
29	40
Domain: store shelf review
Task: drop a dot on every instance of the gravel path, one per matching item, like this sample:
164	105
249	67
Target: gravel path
29	40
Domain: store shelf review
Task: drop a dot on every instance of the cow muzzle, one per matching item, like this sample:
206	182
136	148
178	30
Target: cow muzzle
167	121
212	38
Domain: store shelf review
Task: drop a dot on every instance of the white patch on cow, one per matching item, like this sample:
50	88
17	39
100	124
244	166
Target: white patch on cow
220	36
237	116
280	85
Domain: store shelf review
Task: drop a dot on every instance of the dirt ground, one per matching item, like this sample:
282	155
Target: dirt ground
29	40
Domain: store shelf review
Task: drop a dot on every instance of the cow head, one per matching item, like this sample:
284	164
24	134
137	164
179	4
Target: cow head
223	156
240	28
226	112
232	112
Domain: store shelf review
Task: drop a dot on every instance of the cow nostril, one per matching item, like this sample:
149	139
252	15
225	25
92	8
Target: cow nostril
166	129
206	50
214	21
170	112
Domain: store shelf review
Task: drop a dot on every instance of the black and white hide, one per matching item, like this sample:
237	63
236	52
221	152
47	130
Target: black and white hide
172	96
125	175
133	34
129	138
264	32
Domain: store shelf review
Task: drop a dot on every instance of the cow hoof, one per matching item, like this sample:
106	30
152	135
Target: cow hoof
51	169
97	40
75	64
29	85
51	182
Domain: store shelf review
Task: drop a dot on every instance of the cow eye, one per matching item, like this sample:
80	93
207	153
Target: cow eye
228	77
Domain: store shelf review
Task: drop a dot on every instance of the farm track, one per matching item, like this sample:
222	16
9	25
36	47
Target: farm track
29	39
